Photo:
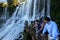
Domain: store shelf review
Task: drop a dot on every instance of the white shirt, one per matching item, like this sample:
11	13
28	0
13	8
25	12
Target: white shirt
52	29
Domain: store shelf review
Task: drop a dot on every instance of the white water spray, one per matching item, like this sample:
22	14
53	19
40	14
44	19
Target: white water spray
15	24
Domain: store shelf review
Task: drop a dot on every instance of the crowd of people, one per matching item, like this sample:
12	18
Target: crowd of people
45	29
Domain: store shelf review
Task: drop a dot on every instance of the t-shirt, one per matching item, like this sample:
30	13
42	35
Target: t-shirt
52	29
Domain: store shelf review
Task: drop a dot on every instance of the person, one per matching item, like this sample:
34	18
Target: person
32	30
36	27
40	28
26	33
51	28
41	25
26	24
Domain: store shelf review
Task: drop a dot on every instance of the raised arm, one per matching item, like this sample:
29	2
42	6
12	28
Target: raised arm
42	26
45	29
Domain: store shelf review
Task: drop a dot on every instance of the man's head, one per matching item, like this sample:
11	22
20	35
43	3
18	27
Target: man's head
32	22
47	19
36	21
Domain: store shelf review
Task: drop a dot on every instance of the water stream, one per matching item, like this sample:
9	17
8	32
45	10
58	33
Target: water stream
26	11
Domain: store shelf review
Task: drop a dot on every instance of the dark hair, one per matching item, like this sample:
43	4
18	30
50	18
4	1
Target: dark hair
47	18
36	21
41	19
32	21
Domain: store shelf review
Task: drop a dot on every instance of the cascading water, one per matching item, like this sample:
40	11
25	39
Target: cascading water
25	11
48	8
4	16
3	0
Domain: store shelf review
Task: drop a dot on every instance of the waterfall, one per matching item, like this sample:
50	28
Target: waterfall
25	11
34	10
3	0
48	8
4	16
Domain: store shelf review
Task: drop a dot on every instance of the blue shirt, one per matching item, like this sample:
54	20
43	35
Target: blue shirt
52	29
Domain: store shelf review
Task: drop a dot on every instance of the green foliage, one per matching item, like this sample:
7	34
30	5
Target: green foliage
1	11
55	10
11	9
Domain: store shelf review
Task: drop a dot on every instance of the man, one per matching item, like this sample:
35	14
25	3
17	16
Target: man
51	28
26	33
36	28
32	30
39	27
